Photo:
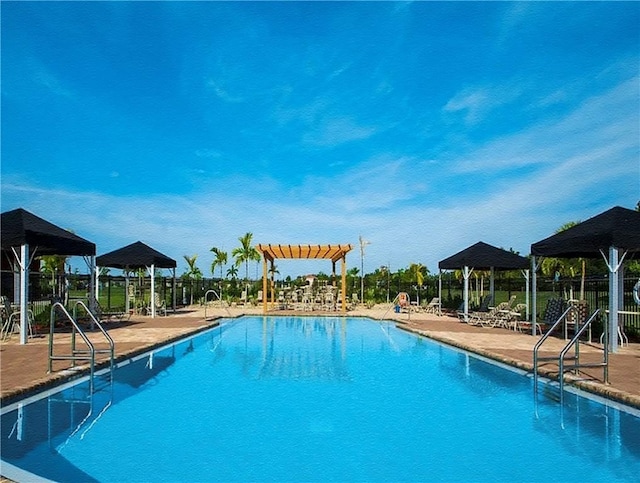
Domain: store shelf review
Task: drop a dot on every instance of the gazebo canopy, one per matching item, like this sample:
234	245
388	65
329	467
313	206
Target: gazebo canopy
617	227
134	256
482	256
20	227
330	252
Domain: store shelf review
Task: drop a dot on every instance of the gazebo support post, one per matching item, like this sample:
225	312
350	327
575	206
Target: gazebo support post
534	289
24	292
440	290
613	263
466	273
152	301
492	285
173	291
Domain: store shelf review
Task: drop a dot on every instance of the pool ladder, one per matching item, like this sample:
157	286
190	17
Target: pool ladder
211	291
88	354
561	357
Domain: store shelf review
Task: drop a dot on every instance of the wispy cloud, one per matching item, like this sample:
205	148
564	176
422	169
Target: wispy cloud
602	123
333	132
475	104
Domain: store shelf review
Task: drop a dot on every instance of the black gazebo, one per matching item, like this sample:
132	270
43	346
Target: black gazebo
611	235
136	256
482	256
24	236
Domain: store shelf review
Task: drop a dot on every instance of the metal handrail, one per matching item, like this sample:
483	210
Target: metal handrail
575	340
95	322
88	355
218	297
544	337
73	357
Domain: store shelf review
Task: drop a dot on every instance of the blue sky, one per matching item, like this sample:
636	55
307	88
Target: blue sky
424	127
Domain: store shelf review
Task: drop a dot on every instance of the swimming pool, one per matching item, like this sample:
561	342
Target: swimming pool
316	399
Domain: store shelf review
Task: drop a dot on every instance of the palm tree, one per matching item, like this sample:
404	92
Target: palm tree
272	271
220	260
352	276
417	271
193	272
232	272
54	265
245	253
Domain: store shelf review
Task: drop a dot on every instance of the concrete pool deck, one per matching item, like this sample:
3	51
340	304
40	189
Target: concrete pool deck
23	368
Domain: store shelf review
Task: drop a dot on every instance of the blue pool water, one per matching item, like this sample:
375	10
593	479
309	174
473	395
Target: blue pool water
316	399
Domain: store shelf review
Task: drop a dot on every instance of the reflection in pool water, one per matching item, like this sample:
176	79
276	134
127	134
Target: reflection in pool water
316	399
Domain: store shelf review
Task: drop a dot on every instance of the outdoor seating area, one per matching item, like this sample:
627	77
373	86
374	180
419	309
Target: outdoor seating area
315	296
502	315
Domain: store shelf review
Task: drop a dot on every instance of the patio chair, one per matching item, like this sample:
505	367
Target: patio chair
11	320
354	301
160	305
554	309
576	317
525	325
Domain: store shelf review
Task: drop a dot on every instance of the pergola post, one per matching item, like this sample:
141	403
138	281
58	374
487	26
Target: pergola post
272	286
344	283
264	285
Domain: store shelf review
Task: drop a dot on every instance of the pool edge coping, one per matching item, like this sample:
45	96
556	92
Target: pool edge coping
67	375
597	388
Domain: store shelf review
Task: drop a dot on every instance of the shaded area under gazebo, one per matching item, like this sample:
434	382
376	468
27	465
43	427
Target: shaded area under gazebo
334	253
136	256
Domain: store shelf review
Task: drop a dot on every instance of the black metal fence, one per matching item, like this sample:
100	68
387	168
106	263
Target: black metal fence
43	287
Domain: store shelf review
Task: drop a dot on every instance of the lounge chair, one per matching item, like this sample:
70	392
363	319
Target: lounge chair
485	304
492	318
433	307
499	316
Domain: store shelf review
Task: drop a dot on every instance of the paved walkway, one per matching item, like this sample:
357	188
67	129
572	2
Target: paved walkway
24	368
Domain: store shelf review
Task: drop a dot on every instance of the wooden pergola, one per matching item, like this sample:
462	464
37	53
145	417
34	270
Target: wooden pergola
309	252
